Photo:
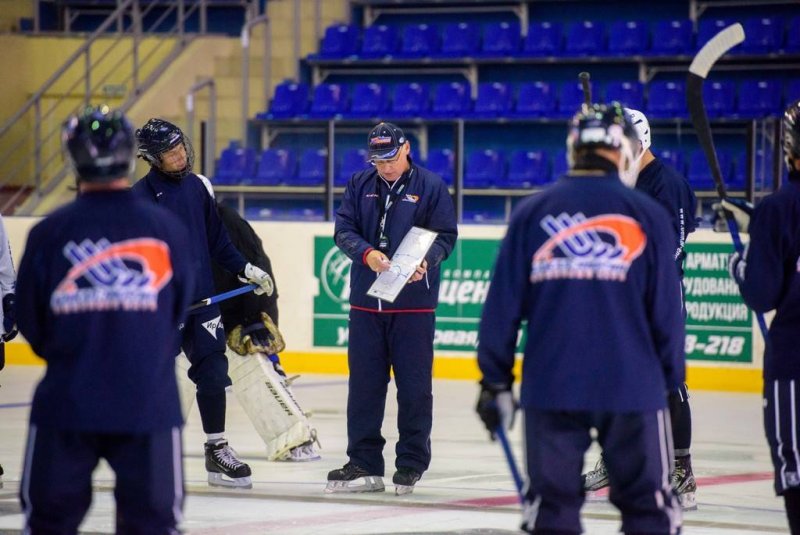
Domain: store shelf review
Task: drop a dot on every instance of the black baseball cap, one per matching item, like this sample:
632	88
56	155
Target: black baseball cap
385	141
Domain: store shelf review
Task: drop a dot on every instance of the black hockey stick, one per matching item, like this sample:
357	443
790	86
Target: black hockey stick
587	88
698	71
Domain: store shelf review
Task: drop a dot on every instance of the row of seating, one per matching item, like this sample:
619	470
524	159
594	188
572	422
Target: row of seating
665	99
544	38
486	168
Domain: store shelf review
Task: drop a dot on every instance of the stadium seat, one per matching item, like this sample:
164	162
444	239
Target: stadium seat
368	100
442	162
485	168
666	100
419	40
672	38
329	100
275	166
380	40
410	100
560	166
629	94
535	99
674	159
290	100
527	168
719	98
236	165
571	97
543	39
312	168
585	38
628	38
451	99
460	39
353	161
793	36
501	39
708	28
764	35
759	98
699	174
792	92
494	100
340	41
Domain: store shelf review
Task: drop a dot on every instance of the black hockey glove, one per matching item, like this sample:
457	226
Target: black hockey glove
741	210
496	406
9	317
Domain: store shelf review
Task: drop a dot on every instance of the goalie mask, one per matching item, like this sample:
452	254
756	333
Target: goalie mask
791	135
158	137
100	144
602	126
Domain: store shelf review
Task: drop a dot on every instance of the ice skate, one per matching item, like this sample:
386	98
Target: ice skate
596	479
224	468
683	483
404	480
352	478
303	453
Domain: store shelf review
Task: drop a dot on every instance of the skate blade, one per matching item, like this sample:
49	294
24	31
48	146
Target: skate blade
362	484
219	480
688	501
402	490
599	495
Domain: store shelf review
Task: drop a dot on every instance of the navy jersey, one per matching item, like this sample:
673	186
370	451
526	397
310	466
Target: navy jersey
588	263
419	198
103	285
188	198
772	278
673	192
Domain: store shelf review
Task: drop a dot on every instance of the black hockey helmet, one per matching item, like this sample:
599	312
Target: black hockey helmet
791	134
158	136
100	143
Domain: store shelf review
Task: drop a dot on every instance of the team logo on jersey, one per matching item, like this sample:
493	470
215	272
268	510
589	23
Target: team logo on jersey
126	275
600	247
212	325
411	198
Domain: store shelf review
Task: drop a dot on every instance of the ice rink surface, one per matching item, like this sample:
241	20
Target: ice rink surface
468	488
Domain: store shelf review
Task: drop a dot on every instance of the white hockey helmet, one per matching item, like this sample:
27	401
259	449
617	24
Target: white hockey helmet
641	125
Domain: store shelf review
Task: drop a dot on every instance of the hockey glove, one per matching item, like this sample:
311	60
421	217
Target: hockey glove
261	337
9	317
737	266
496	406
258	276
741	210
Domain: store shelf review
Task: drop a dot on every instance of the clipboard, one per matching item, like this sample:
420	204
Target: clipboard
409	255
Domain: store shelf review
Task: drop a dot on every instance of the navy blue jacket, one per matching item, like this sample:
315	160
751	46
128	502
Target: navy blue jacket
103	285
772	276
188	198
423	202
588	263
670	188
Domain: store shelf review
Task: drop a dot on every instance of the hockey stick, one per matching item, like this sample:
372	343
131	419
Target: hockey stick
698	71
512	464
222	297
587	88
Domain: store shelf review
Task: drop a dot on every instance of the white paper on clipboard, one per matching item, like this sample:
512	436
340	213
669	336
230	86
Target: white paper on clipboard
409	255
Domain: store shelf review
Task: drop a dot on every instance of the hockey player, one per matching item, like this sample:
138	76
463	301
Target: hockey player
172	184
8	279
103	285
672	191
379	207
768	275
587	244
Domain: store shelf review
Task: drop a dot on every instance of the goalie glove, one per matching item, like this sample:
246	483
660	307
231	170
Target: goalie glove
741	210
9	317
496	406
256	275
261	337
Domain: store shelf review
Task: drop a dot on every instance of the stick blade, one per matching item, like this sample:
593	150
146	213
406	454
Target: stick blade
715	49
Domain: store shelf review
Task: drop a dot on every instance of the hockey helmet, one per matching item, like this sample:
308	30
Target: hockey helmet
158	136
100	143
791	134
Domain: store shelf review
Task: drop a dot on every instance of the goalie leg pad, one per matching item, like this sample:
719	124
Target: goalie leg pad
187	390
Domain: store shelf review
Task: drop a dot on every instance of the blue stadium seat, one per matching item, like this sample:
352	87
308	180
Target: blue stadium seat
527	168
560	166
674	159
628	38
312	168
570	98
793	36
485	168
700	173
451	99
368	100
340	41
411	100
629	94
275	166
419	40
764	35
501	39
672	38
380	40
763	168
708	28
494	100
353	161
460	39
719	98
666	100
329	100
236	165
442	162
290	100
585	38
759	98
535	99
792	92
543	39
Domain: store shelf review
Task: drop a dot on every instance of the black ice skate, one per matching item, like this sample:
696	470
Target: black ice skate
404	480
683	483
224	469
596	479
352	478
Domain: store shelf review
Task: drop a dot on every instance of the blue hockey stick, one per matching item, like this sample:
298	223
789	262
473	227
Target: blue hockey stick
512	464
222	297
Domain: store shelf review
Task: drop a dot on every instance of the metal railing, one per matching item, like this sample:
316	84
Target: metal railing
266	66
207	143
